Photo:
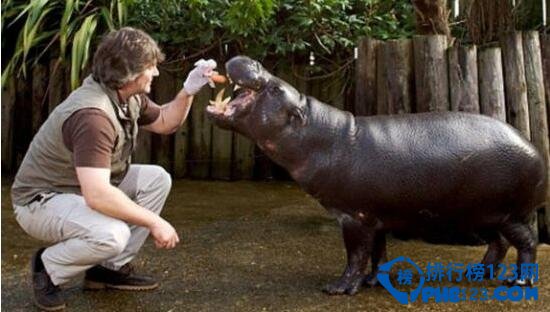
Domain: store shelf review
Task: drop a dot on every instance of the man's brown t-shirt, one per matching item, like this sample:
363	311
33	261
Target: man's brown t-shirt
90	135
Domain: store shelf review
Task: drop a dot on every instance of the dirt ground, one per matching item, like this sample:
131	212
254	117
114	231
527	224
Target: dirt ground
248	246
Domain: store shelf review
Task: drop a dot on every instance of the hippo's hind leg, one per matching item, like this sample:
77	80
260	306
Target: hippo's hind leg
378	257
522	237
358	240
498	247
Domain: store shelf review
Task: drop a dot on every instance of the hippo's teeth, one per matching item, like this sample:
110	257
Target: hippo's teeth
218	102
237	87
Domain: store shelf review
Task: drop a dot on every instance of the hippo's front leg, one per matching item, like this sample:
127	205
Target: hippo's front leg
358	240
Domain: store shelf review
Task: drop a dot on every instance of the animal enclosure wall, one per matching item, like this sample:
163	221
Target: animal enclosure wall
509	81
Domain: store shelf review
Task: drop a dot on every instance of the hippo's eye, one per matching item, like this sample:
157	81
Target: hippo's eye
274	89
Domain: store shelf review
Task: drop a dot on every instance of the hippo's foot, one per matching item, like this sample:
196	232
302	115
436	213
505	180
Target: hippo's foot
371	280
347	284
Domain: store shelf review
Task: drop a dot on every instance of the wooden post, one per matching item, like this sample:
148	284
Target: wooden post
200	150
491	83
545	47
243	157
56	86
325	86
336	93
8	120
537	106
365	77
514	82
181	143
164	90
143	150
142	153
222	141
22	132
431	73
39	99
243	153
395	91
463	79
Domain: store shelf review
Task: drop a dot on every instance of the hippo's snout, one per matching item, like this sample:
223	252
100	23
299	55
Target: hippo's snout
247	73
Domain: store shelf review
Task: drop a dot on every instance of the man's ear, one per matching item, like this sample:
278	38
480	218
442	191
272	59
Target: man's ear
297	115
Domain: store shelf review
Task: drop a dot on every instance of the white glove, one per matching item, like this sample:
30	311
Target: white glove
200	76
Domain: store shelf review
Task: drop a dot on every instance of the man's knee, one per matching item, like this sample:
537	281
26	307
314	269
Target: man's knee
111	239
161	177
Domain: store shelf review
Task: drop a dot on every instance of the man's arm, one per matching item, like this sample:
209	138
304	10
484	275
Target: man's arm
172	114
100	195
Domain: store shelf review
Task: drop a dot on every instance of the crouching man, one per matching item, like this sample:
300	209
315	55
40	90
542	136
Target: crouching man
76	187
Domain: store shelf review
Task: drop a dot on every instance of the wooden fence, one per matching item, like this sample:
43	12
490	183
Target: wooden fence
197	150
509	81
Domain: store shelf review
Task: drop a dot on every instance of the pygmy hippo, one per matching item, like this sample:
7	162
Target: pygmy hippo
406	172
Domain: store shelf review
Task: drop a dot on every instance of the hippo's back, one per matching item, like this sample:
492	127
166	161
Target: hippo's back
444	163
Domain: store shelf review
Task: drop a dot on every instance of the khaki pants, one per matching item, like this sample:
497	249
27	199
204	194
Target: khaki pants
84	237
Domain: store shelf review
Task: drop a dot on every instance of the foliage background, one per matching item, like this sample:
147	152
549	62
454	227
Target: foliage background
278	32
281	30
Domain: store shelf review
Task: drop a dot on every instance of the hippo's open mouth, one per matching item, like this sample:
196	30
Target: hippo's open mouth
249	79
242	98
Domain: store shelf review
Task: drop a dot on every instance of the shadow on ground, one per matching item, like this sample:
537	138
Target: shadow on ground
248	246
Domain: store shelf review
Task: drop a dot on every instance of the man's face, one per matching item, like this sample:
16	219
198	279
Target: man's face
143	81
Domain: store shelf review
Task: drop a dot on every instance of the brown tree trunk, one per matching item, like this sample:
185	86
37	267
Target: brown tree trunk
432	17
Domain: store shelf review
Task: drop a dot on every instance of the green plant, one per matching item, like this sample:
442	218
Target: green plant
43	23
271	28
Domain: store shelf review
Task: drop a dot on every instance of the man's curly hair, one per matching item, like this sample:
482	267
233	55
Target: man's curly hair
123	55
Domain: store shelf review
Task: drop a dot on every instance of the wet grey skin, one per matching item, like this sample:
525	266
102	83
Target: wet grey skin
414	173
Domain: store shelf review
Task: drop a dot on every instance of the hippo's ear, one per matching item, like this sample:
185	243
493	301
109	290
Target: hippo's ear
297	115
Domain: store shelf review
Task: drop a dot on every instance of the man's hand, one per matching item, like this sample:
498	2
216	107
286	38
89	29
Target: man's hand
109	200
164	234
199	76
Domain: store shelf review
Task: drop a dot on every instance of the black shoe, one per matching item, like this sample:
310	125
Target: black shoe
47	296
99	277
